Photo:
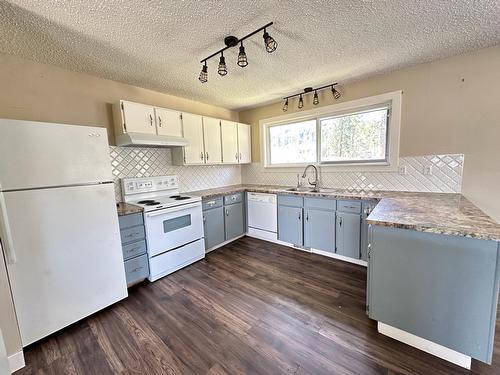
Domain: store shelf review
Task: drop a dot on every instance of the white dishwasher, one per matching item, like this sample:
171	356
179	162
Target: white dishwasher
262	215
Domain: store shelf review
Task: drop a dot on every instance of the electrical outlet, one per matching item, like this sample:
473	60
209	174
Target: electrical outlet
428	170
402	170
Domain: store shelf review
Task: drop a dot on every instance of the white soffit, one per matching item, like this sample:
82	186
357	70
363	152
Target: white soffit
158	44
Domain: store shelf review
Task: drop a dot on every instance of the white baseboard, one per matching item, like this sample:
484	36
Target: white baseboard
16	361
440	351
223	243
340	257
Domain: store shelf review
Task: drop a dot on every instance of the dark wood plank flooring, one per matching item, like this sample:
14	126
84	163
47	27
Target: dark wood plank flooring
251	307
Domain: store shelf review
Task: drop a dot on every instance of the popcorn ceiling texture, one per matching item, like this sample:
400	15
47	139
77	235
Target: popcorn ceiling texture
149	161
446	176
158	44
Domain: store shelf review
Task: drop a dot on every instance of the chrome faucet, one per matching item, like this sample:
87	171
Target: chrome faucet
315	183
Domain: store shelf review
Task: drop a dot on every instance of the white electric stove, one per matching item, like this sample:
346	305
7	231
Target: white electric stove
173	222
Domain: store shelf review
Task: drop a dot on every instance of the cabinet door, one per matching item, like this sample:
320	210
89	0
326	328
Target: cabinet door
290	225
244	144
213	225
319	230
234	220
139	118
192	126
168	122
212	140
229	132
348	234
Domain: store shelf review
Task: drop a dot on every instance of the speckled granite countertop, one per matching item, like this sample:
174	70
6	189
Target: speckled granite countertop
450	214
126	209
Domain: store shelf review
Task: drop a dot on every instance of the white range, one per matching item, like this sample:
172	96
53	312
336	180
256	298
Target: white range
174	223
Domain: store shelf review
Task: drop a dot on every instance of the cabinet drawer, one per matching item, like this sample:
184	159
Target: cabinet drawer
127	221
320	203
132	234
233	198
134	249
349	206
136	269
212	203
290	200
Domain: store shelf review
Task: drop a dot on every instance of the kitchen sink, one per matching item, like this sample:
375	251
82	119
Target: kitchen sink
304	189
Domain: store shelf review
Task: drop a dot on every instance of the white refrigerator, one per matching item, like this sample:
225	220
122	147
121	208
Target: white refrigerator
58	224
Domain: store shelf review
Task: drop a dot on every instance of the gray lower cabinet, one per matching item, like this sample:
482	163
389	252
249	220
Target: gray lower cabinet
234	222
319	229
348	241
290	225
223	219
439	287
133	237
213	225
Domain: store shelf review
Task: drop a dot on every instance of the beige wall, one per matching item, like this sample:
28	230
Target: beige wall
32	91
449	106
38	92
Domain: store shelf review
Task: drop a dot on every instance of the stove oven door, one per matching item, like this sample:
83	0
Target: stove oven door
173	227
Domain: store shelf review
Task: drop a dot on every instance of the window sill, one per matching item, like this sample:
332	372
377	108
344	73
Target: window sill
383	166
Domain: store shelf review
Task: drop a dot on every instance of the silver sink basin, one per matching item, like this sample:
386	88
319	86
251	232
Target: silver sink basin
300	189
324	190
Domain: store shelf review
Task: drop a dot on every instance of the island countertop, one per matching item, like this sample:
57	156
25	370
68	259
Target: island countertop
441	213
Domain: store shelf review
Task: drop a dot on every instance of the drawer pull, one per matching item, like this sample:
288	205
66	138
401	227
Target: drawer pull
137	269
132	235
132	250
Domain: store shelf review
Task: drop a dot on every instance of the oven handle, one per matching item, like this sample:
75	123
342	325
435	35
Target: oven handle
173	209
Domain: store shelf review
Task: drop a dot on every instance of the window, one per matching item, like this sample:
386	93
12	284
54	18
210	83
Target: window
293	143
345	136
354	137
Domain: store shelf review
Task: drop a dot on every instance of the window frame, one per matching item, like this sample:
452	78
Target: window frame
391	100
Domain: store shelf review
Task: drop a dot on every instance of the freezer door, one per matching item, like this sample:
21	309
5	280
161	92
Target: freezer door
37	154
68	258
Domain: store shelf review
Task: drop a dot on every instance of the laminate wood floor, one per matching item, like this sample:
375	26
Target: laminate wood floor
251	307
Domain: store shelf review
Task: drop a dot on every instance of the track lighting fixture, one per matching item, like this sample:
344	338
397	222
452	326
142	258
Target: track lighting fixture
269	42
222	65
204	73
242	57
285	106
315	99
336	94
307	90
232	41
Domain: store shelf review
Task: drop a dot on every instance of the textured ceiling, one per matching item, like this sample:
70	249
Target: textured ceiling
158	44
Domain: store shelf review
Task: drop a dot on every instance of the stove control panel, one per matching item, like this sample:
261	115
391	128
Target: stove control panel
149	184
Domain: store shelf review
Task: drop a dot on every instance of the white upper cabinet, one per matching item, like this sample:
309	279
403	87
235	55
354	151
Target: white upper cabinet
244	144
212	140
137	118
168	122
229	131
192	126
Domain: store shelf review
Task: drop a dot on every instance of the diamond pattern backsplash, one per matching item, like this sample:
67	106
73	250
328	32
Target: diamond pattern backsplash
151	161
446	176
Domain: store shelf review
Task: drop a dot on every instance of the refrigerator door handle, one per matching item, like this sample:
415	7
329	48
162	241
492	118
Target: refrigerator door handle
7	242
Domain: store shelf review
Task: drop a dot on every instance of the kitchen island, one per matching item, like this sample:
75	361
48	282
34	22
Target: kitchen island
433	268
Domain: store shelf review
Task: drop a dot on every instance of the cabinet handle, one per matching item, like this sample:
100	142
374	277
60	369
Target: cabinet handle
136	269
300	216
201	155
227	212
240	155
236	156
150	120
340	221
207	155
159	121
204	219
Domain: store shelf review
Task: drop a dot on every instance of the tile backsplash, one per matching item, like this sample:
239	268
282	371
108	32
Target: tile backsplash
155	161
446	176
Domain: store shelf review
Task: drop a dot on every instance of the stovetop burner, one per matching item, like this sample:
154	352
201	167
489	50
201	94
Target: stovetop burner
146	201
175	196
182	198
